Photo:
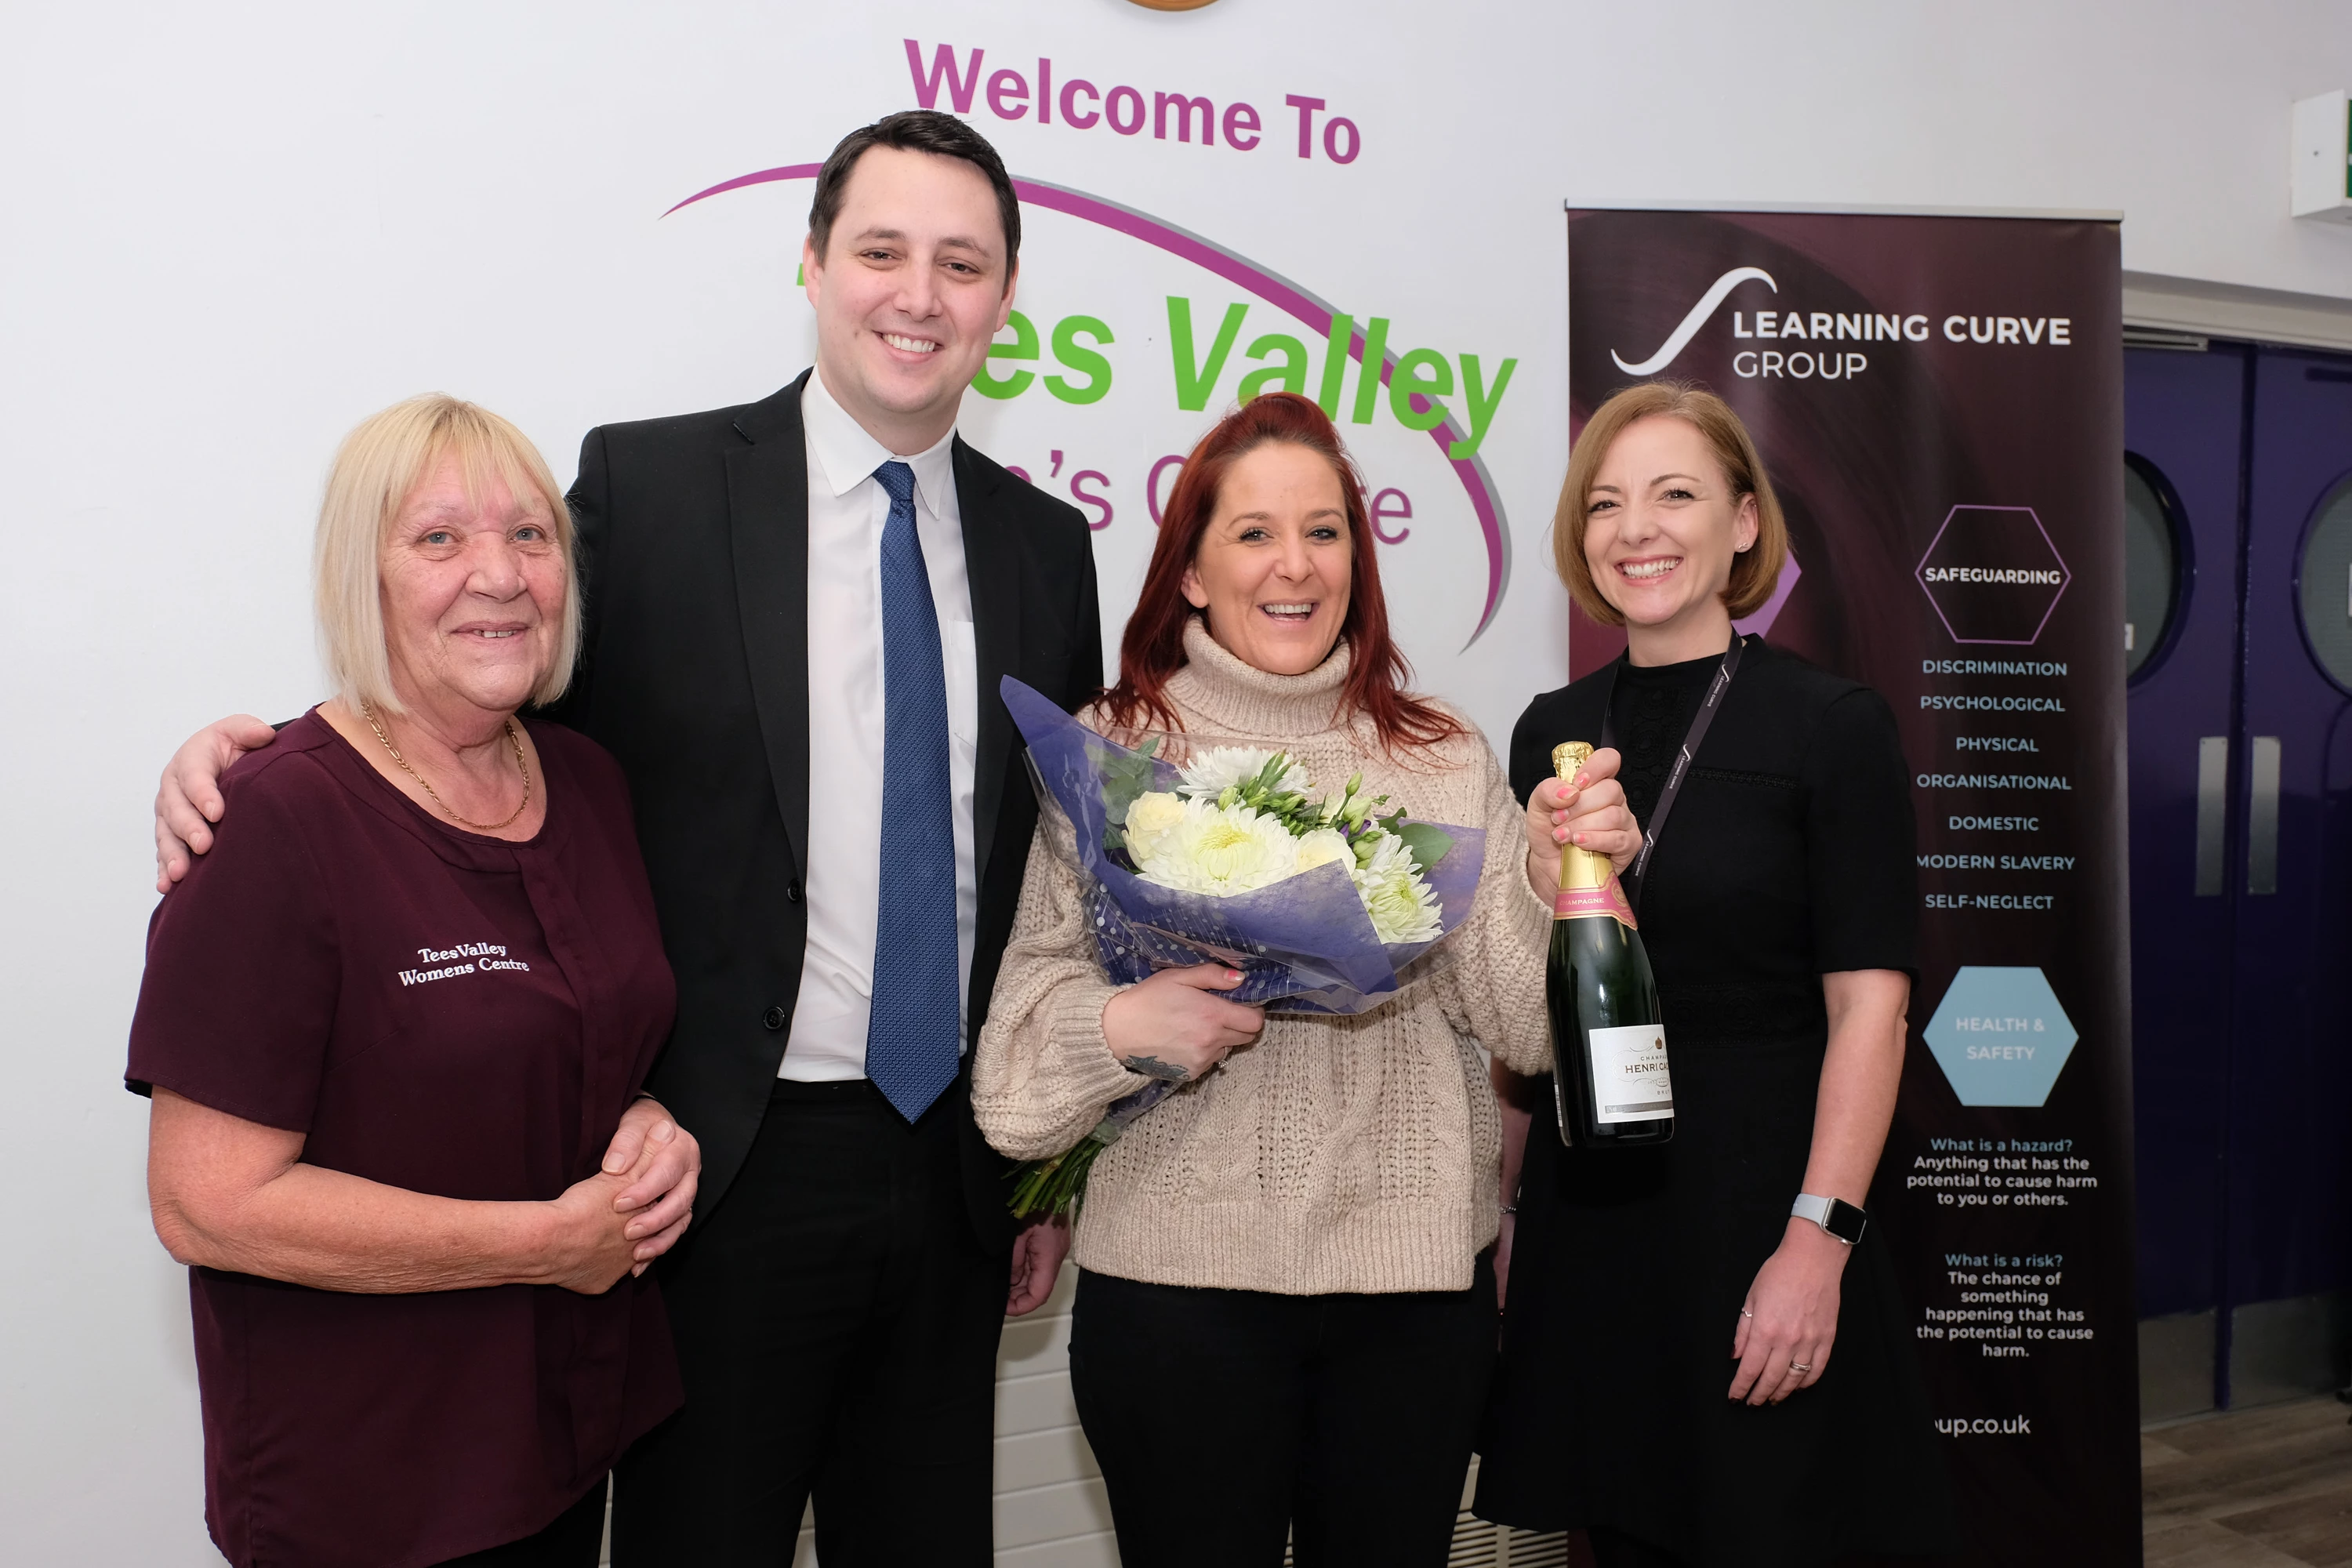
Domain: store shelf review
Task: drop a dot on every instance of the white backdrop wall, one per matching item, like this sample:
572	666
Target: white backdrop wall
233	229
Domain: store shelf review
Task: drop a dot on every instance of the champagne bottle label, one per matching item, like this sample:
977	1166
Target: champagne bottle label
1629	1080
1609	900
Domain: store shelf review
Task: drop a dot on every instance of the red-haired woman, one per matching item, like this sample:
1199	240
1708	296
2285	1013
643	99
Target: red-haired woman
1285	1314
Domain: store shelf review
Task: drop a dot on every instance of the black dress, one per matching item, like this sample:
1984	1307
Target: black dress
1789	856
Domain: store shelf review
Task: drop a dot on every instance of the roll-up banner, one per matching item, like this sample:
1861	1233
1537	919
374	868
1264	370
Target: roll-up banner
1938	400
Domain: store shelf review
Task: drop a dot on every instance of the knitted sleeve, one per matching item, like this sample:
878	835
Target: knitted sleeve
1494	991
1043	1075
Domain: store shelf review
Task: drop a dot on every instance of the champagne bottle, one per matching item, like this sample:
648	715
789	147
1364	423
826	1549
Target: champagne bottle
1609	1047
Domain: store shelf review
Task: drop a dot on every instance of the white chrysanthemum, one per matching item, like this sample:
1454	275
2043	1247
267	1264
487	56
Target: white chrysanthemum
1221	851
1325	847
1402	906
1149	819
1216	769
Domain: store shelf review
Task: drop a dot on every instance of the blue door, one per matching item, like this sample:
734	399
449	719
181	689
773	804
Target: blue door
2239	643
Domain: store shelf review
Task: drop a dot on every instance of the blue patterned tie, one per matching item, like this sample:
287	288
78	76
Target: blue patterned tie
916	1029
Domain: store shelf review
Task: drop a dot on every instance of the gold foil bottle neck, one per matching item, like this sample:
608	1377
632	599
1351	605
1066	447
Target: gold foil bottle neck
1578	867
1583	868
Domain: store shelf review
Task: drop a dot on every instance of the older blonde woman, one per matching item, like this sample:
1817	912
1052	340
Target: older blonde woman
394	1025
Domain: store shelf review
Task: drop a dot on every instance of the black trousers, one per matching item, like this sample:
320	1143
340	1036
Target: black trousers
836	1323
1226	1420
574	1541
1612	1547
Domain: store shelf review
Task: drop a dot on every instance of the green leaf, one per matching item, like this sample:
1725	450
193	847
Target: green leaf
1429	843
1123	778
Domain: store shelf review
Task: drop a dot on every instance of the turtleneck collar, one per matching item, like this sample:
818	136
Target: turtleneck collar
1246	702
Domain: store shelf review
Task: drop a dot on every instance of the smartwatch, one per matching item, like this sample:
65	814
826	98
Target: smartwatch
1836	1215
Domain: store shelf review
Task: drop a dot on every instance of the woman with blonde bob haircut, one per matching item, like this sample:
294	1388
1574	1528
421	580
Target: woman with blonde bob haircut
1667	1382
394	1025
1756	569
380	464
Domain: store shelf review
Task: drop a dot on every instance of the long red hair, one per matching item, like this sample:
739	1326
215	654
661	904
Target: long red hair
1152	648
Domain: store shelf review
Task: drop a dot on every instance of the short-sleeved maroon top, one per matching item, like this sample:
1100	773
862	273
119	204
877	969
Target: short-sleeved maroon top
439	1011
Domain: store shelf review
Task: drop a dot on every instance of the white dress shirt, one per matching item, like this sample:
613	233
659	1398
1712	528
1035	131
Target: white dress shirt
842	861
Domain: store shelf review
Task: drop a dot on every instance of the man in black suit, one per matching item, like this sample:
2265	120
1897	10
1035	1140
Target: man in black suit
797	614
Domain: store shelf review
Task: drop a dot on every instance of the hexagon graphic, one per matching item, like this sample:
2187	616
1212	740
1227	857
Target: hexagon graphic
2001	1037
1760	623
1993	575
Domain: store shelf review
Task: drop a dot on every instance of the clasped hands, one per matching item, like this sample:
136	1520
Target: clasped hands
633	1209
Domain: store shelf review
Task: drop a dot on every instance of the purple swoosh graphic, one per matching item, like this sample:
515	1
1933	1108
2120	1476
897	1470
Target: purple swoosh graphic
1272	287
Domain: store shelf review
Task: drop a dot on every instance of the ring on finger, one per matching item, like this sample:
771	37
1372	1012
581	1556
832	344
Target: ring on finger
1799	1367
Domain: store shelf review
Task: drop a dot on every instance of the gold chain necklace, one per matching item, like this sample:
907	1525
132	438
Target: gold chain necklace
512	740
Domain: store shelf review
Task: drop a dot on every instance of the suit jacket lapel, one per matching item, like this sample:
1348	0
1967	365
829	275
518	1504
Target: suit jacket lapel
992	565
767	504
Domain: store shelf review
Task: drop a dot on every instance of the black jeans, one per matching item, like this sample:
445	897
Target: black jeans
836	1322
574	1540
1226	1420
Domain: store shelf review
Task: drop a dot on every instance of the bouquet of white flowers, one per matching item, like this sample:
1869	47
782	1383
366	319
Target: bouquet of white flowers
1195	850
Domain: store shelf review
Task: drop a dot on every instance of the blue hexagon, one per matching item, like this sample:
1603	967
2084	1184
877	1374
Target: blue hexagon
2000	1035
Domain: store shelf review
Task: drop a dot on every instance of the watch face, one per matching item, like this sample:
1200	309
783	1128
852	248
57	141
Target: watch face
1846	1222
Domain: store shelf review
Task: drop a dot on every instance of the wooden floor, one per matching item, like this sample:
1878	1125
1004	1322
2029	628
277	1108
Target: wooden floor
2255	1489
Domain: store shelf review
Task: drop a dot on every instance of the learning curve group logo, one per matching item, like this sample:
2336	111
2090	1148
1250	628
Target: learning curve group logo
1826	334
1132	334
1993	573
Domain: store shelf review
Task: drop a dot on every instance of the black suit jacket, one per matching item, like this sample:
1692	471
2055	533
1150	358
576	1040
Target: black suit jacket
694	672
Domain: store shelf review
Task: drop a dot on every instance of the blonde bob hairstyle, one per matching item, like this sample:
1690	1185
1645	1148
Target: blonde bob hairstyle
1754	570
377	467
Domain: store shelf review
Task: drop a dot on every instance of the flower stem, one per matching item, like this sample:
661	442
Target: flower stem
1053	1187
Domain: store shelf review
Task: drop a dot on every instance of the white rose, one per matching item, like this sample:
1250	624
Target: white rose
1150	818
1221	851
1325	846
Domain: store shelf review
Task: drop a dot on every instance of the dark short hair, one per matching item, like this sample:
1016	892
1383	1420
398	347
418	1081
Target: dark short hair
914	131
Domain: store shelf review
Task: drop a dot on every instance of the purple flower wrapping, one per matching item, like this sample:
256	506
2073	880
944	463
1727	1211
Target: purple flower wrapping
1304	944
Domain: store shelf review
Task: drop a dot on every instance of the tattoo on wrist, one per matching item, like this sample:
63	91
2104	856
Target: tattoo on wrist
1153	1067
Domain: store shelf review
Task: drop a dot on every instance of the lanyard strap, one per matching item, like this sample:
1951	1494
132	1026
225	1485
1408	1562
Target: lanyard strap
1699	723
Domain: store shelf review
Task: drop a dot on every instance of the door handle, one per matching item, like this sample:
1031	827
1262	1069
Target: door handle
2263	815
2212	812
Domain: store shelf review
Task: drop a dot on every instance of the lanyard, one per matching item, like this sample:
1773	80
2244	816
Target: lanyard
1699	721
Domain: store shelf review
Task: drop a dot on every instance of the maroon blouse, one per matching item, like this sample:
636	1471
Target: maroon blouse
439	1011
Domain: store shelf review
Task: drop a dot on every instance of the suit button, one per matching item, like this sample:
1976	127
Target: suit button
774	1017
792	892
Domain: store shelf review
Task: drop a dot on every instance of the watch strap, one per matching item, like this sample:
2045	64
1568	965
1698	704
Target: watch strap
1835	1216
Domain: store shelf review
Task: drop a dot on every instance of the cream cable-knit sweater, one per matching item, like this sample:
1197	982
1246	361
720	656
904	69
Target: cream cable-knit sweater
1329	1154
